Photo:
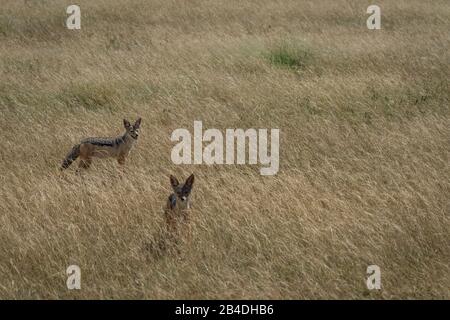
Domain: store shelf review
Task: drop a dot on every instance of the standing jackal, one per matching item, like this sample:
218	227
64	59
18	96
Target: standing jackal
177	209
118	147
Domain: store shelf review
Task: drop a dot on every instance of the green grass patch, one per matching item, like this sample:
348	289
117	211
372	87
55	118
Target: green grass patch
289	55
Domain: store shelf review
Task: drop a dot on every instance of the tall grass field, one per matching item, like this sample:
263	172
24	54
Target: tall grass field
364	176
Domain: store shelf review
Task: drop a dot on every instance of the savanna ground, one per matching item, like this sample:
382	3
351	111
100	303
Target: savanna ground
364	148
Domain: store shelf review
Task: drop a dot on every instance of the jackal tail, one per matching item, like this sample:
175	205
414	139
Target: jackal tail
71	157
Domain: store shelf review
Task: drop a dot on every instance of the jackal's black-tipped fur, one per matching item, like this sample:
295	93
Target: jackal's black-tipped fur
71	157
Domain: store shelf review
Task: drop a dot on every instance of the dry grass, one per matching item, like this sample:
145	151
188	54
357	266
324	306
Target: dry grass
364	163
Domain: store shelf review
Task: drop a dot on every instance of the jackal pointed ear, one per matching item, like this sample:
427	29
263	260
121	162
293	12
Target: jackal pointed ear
137	124
189	181
126	123
174	181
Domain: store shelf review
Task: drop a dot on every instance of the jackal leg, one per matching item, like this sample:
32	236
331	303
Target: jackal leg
85	157
84	163
121	161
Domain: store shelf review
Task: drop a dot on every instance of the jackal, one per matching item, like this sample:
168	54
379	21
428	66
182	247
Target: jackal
177	211
118	147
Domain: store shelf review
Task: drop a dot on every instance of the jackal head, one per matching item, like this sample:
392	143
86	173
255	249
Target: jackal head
132	130
181	194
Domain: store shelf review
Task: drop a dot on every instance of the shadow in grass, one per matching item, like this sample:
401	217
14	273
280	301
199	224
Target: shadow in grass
38	25
89	96
163	244
95	97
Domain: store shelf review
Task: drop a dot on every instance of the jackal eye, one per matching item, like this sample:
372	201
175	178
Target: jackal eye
185	191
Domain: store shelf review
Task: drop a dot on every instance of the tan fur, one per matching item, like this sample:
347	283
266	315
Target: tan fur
89	151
